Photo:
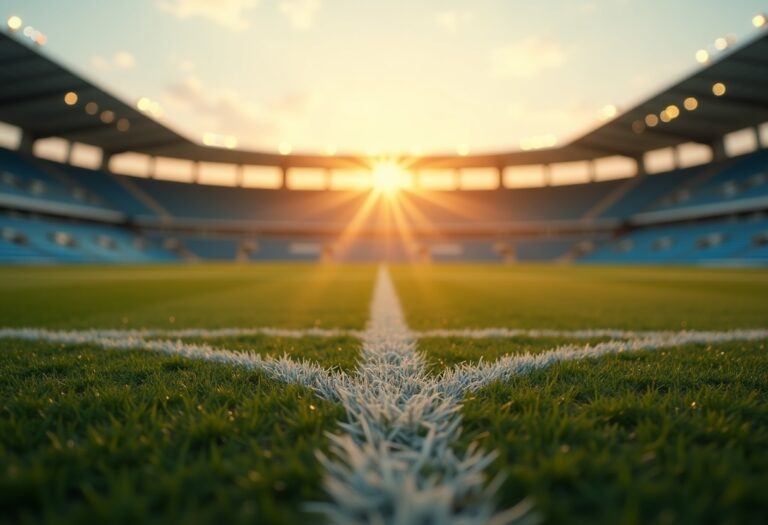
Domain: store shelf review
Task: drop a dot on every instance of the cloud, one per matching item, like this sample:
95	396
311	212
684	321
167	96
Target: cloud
120	60
452	21
226	13
300	13
526	58
226	111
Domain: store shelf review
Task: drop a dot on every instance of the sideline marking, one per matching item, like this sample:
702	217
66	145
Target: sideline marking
393	463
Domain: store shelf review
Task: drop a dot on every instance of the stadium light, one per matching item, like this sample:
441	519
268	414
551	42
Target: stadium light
673	111
123	124
651	120
108	117
330	150
14	23
690	103
638	126
91	108
664	116
759	20
608	112
285	148
718	89
144	104
722	43
148	105
70	99
702	56
462	150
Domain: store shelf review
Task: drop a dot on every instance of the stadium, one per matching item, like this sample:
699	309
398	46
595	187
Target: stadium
561	331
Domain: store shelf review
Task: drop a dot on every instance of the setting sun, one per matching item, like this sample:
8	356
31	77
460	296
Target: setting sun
388	177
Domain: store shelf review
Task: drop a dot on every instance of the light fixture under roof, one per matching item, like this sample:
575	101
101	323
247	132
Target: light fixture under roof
70	99
651	120
14	23
759	20
718	89
108	117
702	56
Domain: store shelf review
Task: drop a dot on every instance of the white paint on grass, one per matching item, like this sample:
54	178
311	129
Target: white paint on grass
282	368
393	462
298	333
468	378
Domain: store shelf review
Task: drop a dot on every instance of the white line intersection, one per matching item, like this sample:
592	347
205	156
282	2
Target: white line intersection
393	462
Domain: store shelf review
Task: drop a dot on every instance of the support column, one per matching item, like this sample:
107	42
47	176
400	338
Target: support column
641	169
196	172
677	158
284	183
106	156
328	178
239	175
68	153
718	150
457	178
592	167
152	168
500	177
758	138
547	175
27	142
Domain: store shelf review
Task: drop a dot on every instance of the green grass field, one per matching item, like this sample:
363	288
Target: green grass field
678	435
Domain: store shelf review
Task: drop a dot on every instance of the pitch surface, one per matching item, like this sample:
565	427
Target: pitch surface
671	435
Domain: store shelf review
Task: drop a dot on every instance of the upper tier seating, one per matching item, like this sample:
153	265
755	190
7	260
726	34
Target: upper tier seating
717	240
28	178
741	178
108	187
194	201
48	240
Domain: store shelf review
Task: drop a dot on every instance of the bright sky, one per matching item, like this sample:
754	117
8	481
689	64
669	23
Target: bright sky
382	76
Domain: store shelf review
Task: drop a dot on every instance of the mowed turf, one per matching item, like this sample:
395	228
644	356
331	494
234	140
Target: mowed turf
88	435
198	296
667	436
530	296
104	436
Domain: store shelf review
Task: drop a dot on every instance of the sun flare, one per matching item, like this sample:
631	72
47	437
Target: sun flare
388	178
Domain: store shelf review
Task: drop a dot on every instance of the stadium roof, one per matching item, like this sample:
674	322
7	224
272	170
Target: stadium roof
32	89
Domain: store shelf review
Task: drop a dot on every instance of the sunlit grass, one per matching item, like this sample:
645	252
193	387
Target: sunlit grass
537	296
199	296
673	436
96	436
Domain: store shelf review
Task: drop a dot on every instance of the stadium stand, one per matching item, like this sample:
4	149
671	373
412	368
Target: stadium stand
50	238
715	213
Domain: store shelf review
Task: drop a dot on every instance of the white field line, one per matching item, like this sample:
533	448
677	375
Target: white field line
394	463
297	333
468	378
285	369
